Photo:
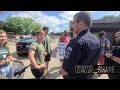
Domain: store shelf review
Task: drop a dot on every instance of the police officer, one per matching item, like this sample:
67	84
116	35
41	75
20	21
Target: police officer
82	50
114	58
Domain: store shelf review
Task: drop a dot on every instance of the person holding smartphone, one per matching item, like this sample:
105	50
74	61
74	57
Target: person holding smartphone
5	56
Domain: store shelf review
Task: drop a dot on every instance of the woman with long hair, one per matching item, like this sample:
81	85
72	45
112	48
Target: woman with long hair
5	56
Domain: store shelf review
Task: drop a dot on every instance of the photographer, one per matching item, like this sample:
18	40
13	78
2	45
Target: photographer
114	58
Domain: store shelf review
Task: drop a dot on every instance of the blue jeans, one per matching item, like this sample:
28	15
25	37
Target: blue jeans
6	70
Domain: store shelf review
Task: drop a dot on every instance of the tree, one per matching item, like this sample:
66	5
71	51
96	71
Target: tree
2	23
21	26
110	17
57	34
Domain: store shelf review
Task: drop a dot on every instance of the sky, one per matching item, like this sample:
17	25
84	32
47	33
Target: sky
57	21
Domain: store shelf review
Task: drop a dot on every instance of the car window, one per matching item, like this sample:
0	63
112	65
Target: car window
28	40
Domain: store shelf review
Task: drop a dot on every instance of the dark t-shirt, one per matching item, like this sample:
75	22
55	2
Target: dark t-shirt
108	61
83	50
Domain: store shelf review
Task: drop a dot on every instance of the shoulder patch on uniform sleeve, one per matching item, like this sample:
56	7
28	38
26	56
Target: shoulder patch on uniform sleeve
68	52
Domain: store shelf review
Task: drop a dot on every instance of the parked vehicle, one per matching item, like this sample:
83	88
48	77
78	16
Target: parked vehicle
23	45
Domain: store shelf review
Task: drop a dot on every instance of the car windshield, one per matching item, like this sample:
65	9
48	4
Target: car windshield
28	40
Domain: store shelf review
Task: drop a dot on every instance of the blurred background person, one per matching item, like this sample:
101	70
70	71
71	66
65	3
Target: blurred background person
47	45
105	44
64	39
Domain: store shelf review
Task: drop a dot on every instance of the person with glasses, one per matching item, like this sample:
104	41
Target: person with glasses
82	50
113	58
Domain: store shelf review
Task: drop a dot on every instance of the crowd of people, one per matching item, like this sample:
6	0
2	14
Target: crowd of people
83	48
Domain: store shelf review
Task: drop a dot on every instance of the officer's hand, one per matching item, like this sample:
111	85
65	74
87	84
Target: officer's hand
62	71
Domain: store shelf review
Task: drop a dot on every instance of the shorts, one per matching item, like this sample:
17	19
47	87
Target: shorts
38	73
47	57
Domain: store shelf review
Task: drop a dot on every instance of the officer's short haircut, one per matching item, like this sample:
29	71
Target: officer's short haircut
85	17
102	33
38	32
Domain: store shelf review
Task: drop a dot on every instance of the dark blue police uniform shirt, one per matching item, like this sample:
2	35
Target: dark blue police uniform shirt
83	50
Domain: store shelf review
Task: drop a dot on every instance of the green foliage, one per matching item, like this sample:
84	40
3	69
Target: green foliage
20	25
56	34
2	23
110	17
96	33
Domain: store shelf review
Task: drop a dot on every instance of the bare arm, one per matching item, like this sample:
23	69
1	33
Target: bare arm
60	39
6	60
116	59
32	59
62	71
15	60
3	62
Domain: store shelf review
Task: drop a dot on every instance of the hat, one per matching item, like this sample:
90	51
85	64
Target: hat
45	27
